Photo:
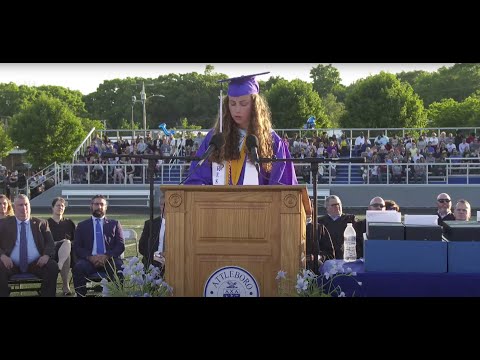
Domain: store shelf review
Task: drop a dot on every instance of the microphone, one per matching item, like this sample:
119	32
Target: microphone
216	142
252	146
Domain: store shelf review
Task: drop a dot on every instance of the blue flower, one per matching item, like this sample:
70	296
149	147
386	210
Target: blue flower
136	282
309	284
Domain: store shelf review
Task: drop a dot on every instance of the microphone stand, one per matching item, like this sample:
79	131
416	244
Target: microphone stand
314	169
152	159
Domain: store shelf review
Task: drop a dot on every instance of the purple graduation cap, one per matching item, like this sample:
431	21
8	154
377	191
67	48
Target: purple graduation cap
243	85
239	86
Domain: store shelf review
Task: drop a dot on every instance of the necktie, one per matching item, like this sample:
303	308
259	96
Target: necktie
23	248
99	236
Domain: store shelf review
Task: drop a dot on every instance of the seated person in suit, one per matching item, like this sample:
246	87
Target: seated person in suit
463	210
377	203
322	246
146	246
63	232
98	245
336	222
444	208
26	245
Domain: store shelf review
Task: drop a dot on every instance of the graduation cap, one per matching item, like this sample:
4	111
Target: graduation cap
243	85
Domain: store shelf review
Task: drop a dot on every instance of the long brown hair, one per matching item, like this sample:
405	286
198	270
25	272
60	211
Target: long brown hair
9	205
260	125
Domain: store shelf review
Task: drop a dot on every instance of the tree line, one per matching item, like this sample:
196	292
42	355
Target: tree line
51	121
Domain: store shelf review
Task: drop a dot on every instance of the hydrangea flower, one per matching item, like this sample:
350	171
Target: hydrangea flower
309	284
136	282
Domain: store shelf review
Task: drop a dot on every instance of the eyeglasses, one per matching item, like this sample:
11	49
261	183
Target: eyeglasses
336	204
443	200
378	205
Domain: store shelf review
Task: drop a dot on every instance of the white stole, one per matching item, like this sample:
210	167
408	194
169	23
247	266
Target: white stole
250	176
218	174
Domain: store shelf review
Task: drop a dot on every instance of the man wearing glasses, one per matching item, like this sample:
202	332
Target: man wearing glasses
377	203
335	222
444	208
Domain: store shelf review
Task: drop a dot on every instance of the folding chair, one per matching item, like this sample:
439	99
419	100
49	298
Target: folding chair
129	235
16	281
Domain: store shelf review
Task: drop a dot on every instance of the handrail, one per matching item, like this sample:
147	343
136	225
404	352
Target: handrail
337	131
81	146
165	175
40	177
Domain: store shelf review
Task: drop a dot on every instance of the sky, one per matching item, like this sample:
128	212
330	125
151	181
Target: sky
86	77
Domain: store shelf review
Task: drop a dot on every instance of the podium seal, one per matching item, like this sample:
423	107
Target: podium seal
231	281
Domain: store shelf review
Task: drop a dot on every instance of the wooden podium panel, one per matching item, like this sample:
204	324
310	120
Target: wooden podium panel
258	228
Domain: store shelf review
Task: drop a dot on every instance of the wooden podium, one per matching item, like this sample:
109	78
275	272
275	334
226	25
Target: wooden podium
261	229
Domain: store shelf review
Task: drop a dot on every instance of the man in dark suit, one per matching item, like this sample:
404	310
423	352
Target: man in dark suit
98	245
148	245
29	238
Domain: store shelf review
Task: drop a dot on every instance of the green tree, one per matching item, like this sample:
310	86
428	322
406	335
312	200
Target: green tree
5	142
186	125
292	103
411	76
457	82
88	124
72	98
326	79
13	98
382	101
333	109
450	113
267	85
209	69
48	129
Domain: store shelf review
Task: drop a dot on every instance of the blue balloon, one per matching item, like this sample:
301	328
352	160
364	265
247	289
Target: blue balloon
310	123
163	127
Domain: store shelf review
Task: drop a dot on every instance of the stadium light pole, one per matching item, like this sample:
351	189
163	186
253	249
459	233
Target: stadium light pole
143	99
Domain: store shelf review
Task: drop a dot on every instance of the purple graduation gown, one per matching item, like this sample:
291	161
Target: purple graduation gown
283	173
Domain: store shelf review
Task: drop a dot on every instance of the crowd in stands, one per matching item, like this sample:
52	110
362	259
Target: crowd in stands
393	157
114	167
13	183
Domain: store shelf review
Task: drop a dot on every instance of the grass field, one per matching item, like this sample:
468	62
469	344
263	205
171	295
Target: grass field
128	221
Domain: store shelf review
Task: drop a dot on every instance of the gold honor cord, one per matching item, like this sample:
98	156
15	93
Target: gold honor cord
235	166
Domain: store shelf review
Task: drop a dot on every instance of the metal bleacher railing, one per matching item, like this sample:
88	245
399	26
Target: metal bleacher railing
465	172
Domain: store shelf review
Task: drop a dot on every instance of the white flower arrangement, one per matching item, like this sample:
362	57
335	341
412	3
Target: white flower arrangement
308	284
136	282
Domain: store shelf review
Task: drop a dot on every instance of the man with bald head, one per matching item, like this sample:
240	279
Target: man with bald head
444	208
335	222
377	203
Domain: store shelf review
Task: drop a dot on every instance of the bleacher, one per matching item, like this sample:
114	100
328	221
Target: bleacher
132	197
